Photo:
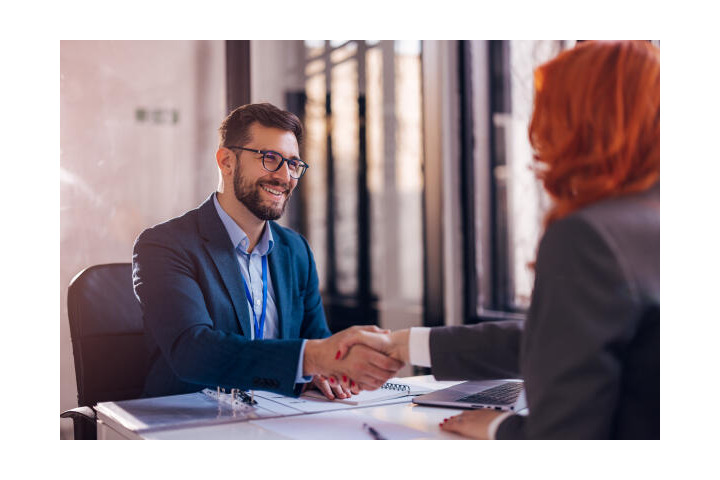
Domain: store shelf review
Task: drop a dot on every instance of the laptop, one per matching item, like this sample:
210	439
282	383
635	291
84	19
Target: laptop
504	395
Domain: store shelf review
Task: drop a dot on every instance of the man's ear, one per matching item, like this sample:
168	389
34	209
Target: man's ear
225	160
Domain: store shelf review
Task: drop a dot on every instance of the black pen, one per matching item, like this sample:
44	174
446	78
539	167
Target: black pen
375	434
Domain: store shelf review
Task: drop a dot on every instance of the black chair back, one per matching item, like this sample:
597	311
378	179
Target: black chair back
106	327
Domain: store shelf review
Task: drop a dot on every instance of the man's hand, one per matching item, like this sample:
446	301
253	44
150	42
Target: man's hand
367	368
364	367
399	345
395	345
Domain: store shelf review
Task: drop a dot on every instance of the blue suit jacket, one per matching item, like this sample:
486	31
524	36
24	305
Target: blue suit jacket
188	281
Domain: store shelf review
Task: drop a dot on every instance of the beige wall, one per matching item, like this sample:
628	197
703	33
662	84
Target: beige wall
138	124
276	66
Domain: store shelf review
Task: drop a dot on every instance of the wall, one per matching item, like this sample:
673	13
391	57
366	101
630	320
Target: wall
138	124
275	68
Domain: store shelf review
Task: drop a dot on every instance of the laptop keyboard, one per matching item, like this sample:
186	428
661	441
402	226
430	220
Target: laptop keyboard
504	394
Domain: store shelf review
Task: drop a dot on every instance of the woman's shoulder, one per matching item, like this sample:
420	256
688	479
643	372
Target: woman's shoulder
622	232
626	218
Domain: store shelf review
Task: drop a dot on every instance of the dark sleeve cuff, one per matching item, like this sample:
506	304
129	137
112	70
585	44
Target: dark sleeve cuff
512	428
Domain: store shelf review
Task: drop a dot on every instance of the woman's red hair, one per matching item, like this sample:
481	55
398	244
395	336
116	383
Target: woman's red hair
595	127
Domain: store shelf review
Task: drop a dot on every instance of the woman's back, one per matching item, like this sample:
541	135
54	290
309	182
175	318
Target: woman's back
590	355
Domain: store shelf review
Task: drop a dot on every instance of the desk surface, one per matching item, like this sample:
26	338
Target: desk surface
414	421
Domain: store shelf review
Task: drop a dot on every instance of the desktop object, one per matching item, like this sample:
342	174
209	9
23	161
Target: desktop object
504	395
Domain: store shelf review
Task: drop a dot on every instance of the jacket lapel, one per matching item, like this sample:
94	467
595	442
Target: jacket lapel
281	274
222	252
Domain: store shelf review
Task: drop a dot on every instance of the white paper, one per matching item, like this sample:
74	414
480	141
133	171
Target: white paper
363	398
308	404
371	397
276	403
336	426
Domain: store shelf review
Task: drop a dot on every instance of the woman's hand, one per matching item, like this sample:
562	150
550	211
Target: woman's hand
472	424
331	389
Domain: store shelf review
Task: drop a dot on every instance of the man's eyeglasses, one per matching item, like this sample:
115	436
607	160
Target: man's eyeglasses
272	161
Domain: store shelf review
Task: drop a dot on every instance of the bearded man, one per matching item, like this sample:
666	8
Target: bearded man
229	297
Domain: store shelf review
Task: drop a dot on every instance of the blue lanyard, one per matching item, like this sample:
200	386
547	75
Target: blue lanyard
259	327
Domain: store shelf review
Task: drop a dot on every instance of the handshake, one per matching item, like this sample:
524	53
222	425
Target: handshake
358	358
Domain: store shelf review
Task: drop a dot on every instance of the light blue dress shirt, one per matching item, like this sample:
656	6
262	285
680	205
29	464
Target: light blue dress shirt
251	268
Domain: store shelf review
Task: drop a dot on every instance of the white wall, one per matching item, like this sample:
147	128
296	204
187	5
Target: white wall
122	171
275	68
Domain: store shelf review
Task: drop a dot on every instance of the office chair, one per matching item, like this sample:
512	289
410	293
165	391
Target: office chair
106	328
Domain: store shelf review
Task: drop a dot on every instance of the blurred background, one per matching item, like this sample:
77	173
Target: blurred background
420	205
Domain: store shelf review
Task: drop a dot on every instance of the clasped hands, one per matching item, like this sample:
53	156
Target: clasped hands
363	358
358	358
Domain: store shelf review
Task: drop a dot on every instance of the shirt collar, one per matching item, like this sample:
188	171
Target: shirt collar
239	238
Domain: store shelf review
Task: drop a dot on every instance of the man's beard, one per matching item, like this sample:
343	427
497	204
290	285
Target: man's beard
249	195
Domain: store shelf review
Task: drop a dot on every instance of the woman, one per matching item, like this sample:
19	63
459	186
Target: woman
589	351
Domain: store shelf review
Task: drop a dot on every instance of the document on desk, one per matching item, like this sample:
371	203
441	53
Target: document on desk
198	409
315	404
394	390
305	405
336	426
192	409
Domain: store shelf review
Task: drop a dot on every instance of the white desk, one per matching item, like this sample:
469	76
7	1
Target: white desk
426	420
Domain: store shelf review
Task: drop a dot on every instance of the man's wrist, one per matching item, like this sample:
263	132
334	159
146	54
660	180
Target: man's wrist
399	339
299	377
309	360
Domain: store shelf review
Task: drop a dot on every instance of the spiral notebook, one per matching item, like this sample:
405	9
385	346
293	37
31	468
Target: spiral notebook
393	388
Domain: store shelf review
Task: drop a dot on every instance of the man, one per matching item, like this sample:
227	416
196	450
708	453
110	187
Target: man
229	297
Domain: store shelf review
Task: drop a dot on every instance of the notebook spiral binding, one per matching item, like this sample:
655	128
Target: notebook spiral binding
396	386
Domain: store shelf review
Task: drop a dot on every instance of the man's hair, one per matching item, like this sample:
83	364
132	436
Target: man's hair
235	129
595	127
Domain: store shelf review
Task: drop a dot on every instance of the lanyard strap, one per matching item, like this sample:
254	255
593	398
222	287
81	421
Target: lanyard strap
259	328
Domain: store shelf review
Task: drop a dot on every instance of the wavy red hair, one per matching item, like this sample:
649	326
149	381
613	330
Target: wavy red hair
595	127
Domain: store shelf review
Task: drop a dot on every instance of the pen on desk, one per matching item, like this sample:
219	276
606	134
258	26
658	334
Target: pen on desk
375	434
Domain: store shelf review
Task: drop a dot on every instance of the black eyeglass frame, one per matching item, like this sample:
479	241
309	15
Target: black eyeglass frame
283	160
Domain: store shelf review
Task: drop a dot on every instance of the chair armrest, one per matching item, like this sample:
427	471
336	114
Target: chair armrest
85	413
83	422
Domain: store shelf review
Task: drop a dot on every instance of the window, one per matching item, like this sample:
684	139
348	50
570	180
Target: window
362	199
504	203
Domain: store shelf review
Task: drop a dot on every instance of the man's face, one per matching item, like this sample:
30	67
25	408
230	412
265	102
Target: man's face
265	193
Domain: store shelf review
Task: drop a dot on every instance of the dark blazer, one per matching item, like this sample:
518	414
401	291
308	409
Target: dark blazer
197	324
589	351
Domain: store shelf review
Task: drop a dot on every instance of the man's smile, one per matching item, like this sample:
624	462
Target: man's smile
274	190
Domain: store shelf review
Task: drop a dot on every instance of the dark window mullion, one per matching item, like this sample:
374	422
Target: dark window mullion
500	103
364	291
364	254
330	203
467	184
237	61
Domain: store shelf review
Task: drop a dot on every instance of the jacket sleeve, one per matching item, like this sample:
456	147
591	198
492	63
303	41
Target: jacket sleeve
176	316
476	352
579	325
